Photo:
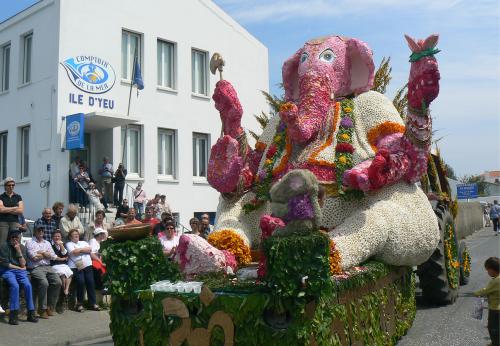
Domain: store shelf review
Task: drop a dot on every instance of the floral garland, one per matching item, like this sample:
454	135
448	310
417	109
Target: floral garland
451	256
466	262
264	177
344	148
230	240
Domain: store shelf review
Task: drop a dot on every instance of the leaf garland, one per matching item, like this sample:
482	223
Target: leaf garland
451	256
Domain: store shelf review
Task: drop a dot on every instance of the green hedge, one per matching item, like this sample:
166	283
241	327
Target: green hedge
379	317
135	265
375	305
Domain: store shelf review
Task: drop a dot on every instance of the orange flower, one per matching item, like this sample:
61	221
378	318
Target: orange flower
231	241
334	259
260	147
285	107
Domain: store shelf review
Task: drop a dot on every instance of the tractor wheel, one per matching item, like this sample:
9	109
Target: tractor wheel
464	258
436	288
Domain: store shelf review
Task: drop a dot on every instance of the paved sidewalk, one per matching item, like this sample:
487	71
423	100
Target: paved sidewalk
452	324
65	329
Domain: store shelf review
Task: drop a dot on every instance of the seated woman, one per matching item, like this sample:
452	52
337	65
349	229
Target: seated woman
81	264
194	223
60	264
169	240
98	267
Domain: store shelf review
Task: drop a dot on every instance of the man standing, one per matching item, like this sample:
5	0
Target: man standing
11	206
48	224
106	173
48	282
495	216
206	228
13	270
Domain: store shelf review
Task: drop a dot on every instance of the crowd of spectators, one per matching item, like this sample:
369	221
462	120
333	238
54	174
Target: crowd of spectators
63	250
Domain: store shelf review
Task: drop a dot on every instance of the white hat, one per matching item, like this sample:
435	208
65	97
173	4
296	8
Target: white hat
99	230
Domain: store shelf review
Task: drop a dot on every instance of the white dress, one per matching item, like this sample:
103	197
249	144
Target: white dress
63	269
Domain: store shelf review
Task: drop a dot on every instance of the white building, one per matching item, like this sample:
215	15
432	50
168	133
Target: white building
58	54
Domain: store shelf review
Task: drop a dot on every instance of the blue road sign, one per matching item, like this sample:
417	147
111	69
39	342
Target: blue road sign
466	191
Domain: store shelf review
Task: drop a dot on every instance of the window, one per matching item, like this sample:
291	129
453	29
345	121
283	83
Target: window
199	72
131	44
3	155
25	152
166	153
132	149
166	64
200	154
4	67
27	45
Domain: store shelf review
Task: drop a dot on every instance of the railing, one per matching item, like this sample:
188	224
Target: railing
129	194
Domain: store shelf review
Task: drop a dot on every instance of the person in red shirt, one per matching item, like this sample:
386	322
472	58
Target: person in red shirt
149	218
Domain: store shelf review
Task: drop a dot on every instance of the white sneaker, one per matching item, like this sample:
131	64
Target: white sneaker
2	311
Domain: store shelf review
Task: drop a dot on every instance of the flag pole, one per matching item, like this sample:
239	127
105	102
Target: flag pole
128	108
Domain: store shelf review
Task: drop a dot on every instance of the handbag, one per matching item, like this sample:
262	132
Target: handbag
477	312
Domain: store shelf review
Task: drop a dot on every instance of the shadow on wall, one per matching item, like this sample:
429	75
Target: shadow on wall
469	219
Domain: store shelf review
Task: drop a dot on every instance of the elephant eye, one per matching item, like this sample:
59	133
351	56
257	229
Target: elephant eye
327	55
304	57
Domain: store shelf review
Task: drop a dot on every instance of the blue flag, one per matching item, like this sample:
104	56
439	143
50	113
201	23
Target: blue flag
137	76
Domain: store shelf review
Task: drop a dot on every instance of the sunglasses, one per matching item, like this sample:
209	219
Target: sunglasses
170	227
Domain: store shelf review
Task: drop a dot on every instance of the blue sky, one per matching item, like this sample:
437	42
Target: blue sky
467	111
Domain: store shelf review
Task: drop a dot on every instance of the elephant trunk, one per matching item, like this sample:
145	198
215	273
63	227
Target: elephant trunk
305	122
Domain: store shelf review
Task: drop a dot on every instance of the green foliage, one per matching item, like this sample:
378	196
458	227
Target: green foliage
382	76
263	118
450	172
400	101
135	265
291	258
363	316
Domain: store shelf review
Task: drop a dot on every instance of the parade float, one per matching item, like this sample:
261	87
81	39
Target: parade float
318	224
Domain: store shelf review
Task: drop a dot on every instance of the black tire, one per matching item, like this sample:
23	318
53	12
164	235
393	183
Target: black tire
464	277
432	273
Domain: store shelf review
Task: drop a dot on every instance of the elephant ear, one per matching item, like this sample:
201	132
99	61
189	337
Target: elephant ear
290	74
362	68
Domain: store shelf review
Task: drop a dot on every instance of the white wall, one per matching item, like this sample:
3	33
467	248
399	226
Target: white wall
33	104
94	28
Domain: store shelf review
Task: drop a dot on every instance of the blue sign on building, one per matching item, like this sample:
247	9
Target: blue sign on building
466	191
75	131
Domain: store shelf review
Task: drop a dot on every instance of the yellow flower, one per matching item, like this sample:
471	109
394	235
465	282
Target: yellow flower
277	139
348	109
268	162
342	159
345	137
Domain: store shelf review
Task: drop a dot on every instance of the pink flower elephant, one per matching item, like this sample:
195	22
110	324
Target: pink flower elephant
354	142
